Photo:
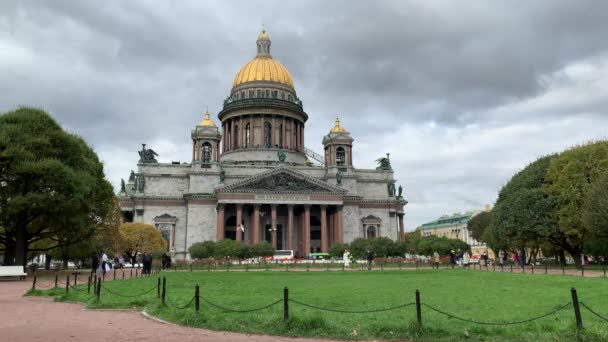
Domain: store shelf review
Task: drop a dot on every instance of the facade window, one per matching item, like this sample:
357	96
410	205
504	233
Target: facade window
275	94
251	94
340	156
267	134
371	232
236	136
283	95
206	152
242	94
259	93
290	98
247	135
267	93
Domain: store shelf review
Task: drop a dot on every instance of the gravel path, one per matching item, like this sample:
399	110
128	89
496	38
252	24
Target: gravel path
31	319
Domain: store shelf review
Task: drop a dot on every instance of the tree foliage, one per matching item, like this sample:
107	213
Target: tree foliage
478	224
52	188
141	238
595	208
202	250
442	245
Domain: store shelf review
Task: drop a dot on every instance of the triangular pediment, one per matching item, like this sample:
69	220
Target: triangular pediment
281	180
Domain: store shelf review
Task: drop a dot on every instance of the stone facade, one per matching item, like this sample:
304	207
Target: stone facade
252	180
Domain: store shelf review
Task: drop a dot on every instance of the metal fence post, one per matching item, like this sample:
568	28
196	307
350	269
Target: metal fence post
34	283
56	280
604	270
418	310
123	274
164	289
67	284
545	268
532	268
196	299
582	271
577	309
285	304
103	276
511	268
95	284
114	274
190	267
89	284
131	275
563	269
98	290
158	288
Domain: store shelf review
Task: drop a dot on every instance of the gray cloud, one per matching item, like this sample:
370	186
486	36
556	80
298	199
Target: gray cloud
461	96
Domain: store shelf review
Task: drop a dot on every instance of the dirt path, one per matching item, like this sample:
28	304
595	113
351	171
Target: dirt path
28	319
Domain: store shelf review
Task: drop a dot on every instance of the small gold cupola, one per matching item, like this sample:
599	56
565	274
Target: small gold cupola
207	121
337	128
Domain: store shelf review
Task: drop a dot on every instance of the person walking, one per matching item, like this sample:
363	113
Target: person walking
466	259
346	258
436	260
104	262
522	258
452	258
94	263
370	259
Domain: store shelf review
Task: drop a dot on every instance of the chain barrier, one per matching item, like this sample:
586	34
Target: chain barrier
241	311
498	323
593	312
352	311
75	288
173	304
128	296
45	286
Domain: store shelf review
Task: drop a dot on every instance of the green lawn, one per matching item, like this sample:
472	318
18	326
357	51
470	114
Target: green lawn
481	296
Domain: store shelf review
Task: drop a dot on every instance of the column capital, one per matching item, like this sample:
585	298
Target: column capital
290	206
239	205
323	206
257	206
307	206
273	205
220	206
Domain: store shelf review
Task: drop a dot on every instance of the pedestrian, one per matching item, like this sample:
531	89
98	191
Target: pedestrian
522	258
460	258
163	261
150	259
94	263
370	258
452	258
168	260
104	262
346	258
436	259
501	257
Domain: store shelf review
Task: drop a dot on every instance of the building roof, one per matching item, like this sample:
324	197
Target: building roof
449	220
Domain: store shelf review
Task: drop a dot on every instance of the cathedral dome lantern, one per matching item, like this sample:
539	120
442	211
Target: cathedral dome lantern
206	139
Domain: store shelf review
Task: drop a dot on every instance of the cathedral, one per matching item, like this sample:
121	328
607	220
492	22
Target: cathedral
252	180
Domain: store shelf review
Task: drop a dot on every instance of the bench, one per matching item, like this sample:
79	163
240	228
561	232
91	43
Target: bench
12	271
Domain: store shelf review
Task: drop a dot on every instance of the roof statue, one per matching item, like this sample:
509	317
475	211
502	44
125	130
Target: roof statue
147	155
400	191
384	163
122	185
132	176
282	156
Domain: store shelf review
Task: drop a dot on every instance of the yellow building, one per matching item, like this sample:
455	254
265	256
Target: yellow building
455	227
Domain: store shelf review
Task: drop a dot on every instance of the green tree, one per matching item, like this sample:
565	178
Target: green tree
139	238
569	180
337	250
478	224
229	249
52	187
202	250
523	215
262	249
442	245
595	208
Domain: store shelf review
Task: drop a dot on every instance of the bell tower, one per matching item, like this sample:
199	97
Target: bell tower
338	148
206	139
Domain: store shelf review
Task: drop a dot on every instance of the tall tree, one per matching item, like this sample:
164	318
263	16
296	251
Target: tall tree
52	185
570	178
595	208
479	223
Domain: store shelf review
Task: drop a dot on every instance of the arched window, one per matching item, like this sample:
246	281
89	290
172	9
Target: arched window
236	136
206	152
247	135
267	93
340	156
242	94
371	232
259	93
267	134
251	94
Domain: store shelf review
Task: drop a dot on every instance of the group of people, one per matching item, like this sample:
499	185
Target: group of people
146	260
462	258
100	267
166	261
369	257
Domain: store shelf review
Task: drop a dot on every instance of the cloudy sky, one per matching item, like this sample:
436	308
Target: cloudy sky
462	97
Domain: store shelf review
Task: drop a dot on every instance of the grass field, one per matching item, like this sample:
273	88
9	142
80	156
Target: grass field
480	296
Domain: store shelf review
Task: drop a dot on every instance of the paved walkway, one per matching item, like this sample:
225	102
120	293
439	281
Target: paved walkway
28	319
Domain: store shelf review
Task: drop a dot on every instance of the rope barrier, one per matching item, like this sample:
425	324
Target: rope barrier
75	288
176	306
45	286
498	323
593	312
241	311
128	296
353	311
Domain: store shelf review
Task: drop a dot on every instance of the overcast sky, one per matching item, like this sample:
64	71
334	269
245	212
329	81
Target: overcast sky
462	97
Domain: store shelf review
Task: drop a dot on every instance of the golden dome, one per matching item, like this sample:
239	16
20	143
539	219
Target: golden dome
263	67
337	128
207	121
263	35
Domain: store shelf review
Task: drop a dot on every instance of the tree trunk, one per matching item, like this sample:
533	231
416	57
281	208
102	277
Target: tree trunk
577	258
562	257
65	263
47	261
21	243
9	252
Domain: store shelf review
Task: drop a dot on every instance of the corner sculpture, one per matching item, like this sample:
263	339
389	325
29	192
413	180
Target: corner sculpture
339	178
147	155
391	189
400	191
122	186
282	156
